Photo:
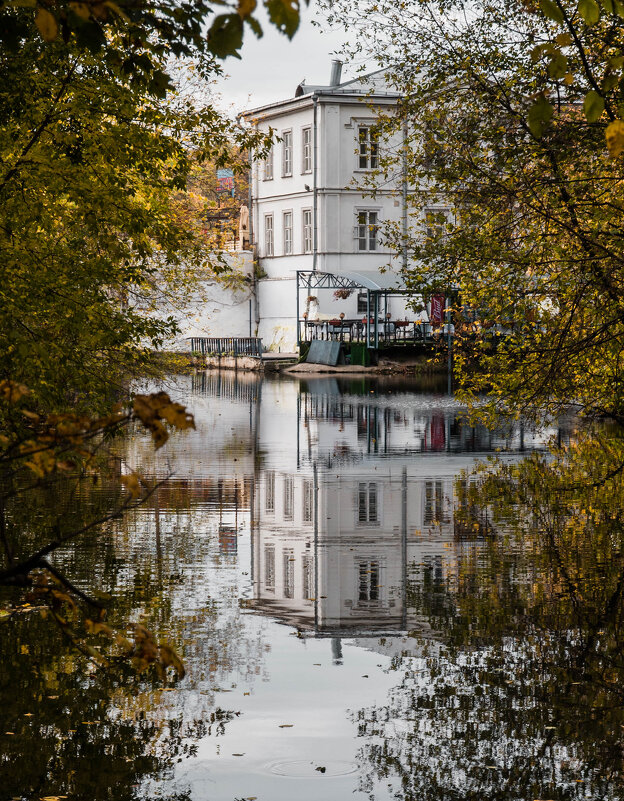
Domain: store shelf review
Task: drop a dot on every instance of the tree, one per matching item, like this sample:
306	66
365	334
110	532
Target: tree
507	114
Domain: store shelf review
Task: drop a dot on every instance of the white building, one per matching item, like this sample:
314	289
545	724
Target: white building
308	213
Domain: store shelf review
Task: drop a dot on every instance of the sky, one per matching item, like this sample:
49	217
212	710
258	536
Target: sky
272	67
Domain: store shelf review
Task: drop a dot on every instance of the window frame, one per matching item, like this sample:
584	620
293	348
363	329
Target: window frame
367	147
305	239
306	150
269	165
287	251
287	136
269	251
372	227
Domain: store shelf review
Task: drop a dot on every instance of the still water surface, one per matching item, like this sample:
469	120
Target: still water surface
346	633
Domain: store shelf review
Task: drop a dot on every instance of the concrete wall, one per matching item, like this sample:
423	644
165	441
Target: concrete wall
212	309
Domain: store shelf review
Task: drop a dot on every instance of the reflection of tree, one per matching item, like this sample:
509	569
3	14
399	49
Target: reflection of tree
88	733
522	695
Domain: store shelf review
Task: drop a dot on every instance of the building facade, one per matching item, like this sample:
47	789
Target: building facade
309	212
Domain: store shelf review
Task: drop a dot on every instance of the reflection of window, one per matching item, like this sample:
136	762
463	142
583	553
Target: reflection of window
308	501
269	568
289	493
306	150
368	143
308	577
366	229
368	582
367	503
289	573
288	233
269	493
434	502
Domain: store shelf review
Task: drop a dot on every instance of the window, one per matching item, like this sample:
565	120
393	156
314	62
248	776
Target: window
308	577
368	150
268	166
269	493
306	150
435	223
268	235
306	218
367	503
289	493
287	154
288	233
362	305
368	582
308	501
269	568
289	573
366	230
434	500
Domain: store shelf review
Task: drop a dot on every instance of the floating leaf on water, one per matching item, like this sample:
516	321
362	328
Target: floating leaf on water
286	725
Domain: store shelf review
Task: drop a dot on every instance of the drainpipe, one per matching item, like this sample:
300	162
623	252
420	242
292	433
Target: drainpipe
404	192
254	281
315	183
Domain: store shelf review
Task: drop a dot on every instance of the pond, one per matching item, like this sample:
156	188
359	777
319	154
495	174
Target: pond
354	624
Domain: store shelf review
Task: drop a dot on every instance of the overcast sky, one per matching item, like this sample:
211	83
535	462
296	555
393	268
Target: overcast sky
272	67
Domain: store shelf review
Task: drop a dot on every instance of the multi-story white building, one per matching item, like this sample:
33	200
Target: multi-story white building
309	213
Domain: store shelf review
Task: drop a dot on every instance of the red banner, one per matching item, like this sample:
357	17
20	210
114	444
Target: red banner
437	310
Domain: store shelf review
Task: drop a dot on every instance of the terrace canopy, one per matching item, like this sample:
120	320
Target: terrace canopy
377	285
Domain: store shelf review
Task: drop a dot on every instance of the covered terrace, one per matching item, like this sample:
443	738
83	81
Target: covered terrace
375	327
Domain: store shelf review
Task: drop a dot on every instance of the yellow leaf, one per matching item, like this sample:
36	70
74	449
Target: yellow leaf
615	137
132	484
246	7
46	24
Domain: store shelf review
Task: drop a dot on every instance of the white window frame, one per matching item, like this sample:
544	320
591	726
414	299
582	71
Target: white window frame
368	503
366	230
287	229
269	235
268	165
436	228
306	231
287	153
306	150
367	147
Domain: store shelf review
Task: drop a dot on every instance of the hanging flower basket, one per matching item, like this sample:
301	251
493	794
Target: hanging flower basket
343	294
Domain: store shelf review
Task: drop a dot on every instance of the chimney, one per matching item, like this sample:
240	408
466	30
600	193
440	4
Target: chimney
336	71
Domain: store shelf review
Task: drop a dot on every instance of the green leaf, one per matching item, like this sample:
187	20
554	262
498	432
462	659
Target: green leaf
618	7
539	116
46	24
558	66
225	36
589	10
607	5
593	106
284	14
551	10
615	138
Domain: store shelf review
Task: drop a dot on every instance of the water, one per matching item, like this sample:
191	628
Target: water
352	625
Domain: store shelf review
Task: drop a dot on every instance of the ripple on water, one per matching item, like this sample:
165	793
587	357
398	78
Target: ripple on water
304	769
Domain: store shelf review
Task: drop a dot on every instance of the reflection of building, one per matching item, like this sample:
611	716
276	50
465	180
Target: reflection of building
332	551
365	513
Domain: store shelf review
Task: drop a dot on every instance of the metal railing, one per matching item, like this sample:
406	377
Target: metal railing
227	346
388	332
